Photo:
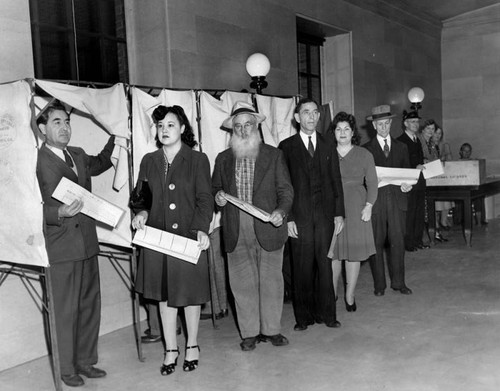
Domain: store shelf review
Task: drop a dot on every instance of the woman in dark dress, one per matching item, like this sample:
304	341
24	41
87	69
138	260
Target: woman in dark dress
181	203
355	243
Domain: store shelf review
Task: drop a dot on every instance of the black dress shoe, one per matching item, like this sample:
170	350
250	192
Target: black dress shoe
440	238
90	371
150	338
404	290
72	380
410	249
378	293
276	340
334	324
350	307
249	343
423	246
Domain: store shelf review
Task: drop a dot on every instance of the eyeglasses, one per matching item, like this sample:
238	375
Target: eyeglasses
248	126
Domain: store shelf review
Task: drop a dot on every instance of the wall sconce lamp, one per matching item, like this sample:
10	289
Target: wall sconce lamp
416	96
258	67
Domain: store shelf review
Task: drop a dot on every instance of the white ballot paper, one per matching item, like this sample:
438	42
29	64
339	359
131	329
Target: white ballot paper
433	169
93	206
249	208
397	176
168	243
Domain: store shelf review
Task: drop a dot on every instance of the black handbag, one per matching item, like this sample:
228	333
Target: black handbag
141	197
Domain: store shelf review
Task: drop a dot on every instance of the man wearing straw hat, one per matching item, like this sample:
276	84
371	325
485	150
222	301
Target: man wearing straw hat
389	211
255	173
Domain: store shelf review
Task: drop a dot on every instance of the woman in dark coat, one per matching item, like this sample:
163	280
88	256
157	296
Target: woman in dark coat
179	181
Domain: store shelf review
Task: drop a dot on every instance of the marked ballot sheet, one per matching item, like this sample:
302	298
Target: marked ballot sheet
249	208
93	206
168	243
396	176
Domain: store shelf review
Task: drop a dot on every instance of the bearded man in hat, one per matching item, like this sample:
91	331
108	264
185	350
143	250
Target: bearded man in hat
317	214
415	216
389	211
255	173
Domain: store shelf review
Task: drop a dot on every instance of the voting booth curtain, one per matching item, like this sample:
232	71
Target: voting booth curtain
120	110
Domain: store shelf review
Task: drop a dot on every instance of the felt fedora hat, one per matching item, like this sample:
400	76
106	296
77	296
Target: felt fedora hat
410	115
241	107
380	112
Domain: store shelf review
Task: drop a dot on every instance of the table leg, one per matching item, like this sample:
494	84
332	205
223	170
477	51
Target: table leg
467	211
431	217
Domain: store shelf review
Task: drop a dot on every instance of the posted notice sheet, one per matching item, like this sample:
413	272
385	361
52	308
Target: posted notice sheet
93	206
168	243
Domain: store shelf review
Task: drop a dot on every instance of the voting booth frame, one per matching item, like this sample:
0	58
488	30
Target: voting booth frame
29	274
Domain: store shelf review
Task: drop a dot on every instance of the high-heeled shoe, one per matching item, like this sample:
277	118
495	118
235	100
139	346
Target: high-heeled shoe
439	237
350	307
191	365
168	369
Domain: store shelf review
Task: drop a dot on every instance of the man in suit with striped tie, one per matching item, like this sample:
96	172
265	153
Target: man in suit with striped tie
389	211
72	245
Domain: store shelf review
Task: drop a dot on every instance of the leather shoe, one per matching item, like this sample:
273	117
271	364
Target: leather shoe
410	249
276	340
423	246
440	238
72	380
302	326
150	338
249	343
90	371
404	290
334	324
379	293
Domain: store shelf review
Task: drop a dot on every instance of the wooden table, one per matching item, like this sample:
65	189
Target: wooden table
466	194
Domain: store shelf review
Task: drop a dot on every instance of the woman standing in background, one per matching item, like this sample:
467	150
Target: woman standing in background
355	243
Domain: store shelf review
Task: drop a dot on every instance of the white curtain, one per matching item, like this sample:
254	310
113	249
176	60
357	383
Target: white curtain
109	107
21	230
279	115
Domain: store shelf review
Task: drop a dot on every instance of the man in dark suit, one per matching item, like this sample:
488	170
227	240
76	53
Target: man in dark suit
255	173
415	216
317	212
72	246
389	211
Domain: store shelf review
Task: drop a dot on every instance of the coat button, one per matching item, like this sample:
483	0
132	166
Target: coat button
175	225
172	206
77	225
171	186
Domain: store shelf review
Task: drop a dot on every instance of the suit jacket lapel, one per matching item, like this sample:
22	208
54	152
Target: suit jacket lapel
60	165
261	164
229	172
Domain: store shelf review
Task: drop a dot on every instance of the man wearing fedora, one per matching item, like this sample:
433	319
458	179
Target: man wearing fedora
317	213
256	173
415	216
389	211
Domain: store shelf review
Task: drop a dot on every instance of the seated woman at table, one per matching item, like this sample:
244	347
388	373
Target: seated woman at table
355	243
182	203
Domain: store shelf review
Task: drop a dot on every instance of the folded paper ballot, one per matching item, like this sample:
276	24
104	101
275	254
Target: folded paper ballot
168	243
433	169
93	206
249	208
397	176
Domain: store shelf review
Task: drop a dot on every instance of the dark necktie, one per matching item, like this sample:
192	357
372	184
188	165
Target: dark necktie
386	149
69	162
310	147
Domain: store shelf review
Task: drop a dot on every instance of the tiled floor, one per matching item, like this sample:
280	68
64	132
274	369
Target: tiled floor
446	336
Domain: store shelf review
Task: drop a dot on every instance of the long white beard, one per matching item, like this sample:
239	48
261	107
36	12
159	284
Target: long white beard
245	147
